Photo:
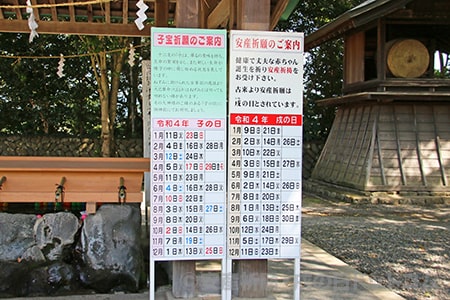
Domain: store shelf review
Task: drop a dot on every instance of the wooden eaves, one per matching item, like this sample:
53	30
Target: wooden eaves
116	17
365	13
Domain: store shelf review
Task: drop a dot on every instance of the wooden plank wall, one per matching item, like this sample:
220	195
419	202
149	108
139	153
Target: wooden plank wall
388	147
346	153
354	58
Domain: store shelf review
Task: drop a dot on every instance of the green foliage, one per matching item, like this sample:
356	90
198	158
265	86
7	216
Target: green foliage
34	100
323	65
443	65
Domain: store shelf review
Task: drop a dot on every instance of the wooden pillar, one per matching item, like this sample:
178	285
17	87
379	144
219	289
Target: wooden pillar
381	50
183	279
183	272
354	58
253	15
252	278
91	207
162	13
250	15
188	14
252	273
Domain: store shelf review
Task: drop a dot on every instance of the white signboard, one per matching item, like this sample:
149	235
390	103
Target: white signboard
265	144
188	144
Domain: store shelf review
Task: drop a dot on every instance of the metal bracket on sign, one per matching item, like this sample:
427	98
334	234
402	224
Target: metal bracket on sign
2	180
122	191
59	193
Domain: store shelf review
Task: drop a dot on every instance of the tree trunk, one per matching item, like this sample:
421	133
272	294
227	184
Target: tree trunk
118	62
103	84
108	88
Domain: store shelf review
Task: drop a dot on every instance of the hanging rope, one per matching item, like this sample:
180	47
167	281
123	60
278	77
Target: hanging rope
62	58
19	57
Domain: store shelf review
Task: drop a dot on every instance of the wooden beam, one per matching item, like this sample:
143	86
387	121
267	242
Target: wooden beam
19	15
113	12
71	195
72	12
86	179
206	7
107	12
82	28
53	11
277	12
90	13
125	12
87	164
220	15
37	17
161	13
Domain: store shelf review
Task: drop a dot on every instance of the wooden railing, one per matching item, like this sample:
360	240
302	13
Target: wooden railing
72	179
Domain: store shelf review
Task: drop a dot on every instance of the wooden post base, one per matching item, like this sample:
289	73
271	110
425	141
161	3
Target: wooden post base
184	281
252	278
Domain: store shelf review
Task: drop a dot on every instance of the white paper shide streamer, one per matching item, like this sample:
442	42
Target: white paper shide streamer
141	14
31	22
60	71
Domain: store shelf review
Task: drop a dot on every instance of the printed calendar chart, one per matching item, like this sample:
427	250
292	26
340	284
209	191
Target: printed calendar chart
265	145
188	144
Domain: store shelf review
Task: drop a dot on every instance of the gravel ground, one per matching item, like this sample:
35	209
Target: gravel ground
405	248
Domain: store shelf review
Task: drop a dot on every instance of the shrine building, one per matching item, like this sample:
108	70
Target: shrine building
390	140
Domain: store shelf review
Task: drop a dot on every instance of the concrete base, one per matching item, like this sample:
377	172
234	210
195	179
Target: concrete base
349	195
